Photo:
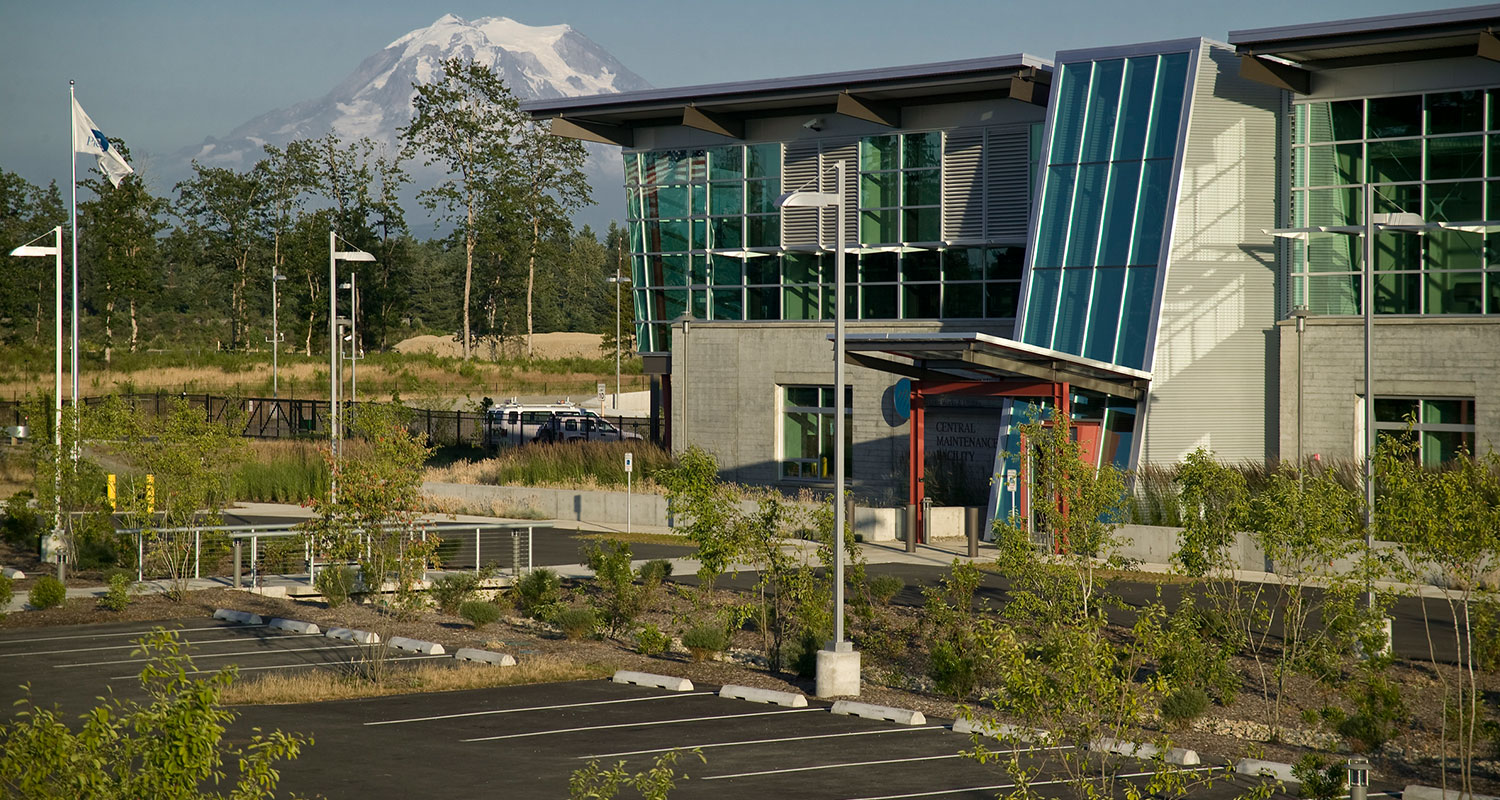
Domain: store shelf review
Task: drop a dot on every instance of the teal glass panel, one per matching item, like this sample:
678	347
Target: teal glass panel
1392	198
1299	124
963	300
1455	157
1072	310
728	232
1135	317
632	202
1151	211
674	303
880	152
699	299
1052	228
698	269
1397	251
763	302
729	304
1333	294
800	268
1392	117
674	234
1088	208
1119	214
1104	314
1398	293
1392	162
1454	202
1069	104
726	163
1328	165
920	301
963	264
878	268
1001	299
1334	206
1492	283
1454	250
1455	112
799	302
880	227
1397	409
1334	254
640	298
1454	293
763	161
760	196
673	166
879	189
1004	263
925	265
1494	160
1448	412
699	199
878	302
923	225
763	231
922	150
1041	306
698	166
668	201
632	169
1336	121
655	272
1171	87
674	270
699	234
922	187
727	271
1135	114
638	237
1104	105
760	271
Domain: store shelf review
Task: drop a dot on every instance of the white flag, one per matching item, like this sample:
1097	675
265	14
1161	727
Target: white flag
89	139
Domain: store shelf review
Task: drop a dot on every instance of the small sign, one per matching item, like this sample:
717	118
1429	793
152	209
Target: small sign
1010	480
601	395
629	462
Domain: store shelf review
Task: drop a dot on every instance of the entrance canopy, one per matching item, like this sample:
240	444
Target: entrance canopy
959	356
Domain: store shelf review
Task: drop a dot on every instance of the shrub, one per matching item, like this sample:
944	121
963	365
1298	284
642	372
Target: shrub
955	671
1183	705
619	599
650	641
577	622
336	584
539	594
705	640
117	598
657	570
47	592
479	613
1379	713
7	593
450	592
885	587
22	525
1321	779
804	653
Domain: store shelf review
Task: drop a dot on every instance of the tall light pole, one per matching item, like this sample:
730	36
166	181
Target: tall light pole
50	544
275	339
336	255
618	280
1300	314
838	664
354	351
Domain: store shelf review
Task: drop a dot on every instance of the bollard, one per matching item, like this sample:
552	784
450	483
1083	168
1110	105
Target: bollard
197	554
476	551
140	558
529	562
254	560
971	527
237	554
911	527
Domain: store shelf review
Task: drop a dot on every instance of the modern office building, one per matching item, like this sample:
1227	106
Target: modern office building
1087	232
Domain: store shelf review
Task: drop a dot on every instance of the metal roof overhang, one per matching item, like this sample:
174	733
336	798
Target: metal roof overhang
981	357
875	95
1287	56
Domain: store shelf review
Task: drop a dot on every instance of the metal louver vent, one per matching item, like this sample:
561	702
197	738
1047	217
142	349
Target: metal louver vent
799	225
963	185
848	152
1007	175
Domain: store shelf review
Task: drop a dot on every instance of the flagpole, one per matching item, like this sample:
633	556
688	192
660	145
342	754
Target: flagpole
73	218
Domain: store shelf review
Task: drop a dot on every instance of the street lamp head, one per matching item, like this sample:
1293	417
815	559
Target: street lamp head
34	250
278	277
353	255
809	200
346	285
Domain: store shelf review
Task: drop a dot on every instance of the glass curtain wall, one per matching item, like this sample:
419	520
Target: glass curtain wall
1105	188
1436	155
807	414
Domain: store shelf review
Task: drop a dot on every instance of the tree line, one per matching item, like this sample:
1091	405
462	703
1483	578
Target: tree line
196	268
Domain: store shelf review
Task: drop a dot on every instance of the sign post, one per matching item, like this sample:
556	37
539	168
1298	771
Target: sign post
601	398
629	467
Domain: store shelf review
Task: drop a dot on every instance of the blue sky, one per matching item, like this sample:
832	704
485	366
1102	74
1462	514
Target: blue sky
164	74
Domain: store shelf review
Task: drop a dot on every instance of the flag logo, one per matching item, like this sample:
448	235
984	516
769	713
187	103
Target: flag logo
87	138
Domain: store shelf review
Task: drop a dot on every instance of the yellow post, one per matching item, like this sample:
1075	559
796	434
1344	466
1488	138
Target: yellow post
150	494
109	492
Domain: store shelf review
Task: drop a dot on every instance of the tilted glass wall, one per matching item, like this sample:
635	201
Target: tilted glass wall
1436	155
1100	230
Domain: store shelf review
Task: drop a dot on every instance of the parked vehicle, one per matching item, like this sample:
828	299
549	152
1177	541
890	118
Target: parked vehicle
513	423
585	427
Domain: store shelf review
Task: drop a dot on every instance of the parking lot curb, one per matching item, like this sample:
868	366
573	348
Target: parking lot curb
348	635
294	625
484	657
1417	791
1000	730
245	617
12	573
417	646
900	716
1270	769
1181	756
667	682
753	695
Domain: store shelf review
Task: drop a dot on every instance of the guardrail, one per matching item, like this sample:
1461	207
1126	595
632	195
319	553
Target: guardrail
290	552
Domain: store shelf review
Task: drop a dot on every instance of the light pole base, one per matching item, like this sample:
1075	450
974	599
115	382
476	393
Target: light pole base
838	670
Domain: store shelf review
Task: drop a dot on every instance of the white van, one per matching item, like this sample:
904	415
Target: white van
513	423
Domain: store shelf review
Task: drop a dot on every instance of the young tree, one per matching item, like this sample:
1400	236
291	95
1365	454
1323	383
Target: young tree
228	208
552	187
26	212
466	121
118	247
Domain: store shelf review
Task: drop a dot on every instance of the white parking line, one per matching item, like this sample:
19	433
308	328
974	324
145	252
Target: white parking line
1008	786
867	763
540	708
4	642
199	656
137	646
762	741
282	666
643	724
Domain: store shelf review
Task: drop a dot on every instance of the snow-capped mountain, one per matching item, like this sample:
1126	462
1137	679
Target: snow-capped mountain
375	100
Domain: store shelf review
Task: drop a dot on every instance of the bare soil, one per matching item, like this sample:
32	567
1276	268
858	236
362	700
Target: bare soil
560	344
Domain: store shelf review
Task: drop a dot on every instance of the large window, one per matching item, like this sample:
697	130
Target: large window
807	432
1443	428
901	188
1436	155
